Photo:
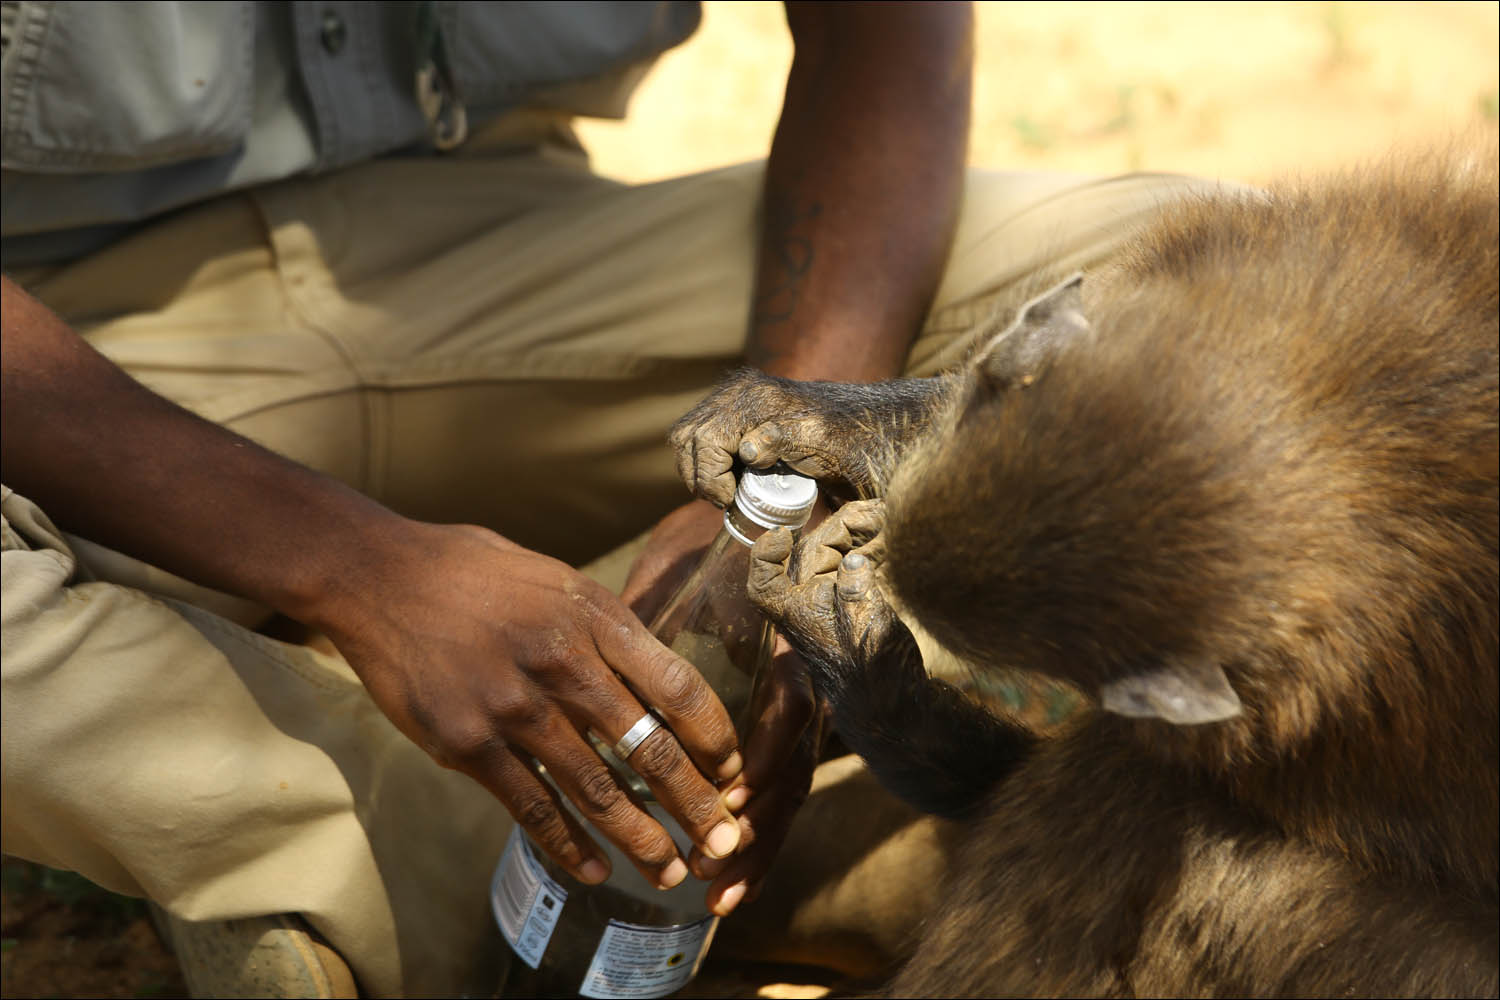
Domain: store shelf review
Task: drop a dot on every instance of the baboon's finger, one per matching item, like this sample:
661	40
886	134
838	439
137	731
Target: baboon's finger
820	550
862	519
713	472
856	579
832	532
768	584
760	447
814	560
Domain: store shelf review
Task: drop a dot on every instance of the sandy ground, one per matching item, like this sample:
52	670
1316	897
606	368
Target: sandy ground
1238	90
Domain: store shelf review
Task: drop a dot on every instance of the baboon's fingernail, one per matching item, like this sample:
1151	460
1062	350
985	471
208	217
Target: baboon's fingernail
855	561
749	452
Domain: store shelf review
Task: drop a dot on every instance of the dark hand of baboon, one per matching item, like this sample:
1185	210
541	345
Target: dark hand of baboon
847	436
824	594
1243	495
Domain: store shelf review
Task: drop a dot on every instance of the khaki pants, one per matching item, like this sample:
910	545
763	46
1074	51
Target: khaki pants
499	338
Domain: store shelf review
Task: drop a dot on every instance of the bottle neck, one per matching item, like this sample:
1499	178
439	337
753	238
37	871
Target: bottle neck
740	527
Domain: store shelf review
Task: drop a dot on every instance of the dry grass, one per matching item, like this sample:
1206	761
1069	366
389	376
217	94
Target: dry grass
1240	90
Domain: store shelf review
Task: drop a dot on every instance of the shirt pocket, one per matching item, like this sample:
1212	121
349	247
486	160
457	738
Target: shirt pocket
502	53
93	87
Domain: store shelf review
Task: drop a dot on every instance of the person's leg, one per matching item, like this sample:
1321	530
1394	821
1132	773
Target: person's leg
163	751
527	378
506	341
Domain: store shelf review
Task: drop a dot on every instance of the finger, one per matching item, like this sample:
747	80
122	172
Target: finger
863	520
682	452
856	579
822	547
511	777
768	585
788	708
760	447
678	693
765	824
596	692
775	441
680	787
713	471
820	550
600	796
705	868
874	550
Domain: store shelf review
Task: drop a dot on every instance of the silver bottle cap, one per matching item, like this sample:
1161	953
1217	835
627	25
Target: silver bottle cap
776	497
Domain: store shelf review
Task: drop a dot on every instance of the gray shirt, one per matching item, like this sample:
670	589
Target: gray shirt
111	113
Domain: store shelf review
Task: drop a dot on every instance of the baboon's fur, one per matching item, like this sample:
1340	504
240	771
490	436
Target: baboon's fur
1271	457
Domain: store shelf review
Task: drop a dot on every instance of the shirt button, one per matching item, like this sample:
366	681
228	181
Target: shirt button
334	33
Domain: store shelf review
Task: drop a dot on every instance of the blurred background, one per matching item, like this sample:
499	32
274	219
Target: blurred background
1247	91
1239	90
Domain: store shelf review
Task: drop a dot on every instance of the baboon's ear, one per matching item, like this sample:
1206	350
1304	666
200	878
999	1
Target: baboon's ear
1017	354
1177	693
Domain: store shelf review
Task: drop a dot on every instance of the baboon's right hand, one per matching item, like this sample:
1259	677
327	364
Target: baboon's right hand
838	433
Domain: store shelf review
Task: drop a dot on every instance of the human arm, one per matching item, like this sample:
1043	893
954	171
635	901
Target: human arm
481	652
861	198
862	187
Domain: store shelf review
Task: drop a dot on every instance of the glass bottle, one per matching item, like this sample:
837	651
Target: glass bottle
626	937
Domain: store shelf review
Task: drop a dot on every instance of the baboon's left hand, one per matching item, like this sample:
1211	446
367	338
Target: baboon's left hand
824	596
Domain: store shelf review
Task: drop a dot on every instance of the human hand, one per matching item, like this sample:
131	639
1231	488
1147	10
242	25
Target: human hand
488	655
675	547
782	742
782	749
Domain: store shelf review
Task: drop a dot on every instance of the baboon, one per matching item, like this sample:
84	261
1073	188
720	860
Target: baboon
1240	490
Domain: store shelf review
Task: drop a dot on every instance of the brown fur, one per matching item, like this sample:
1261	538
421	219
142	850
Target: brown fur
1247	482
1276	454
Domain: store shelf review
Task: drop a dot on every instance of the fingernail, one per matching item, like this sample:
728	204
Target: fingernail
855	560
592	872
737	797
729	899
731	767
673	874
722	839
711	867
748	451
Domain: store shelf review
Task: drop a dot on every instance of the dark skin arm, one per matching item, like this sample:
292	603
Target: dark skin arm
861	200
481	652
862	187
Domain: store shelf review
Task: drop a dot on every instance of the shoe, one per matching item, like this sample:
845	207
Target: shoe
271	956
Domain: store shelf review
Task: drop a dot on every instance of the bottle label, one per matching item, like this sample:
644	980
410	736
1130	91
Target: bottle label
526	900
634	960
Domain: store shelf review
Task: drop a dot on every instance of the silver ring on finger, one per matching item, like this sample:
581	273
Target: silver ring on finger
636	735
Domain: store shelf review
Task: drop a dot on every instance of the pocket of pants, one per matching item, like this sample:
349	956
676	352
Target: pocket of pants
114	87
